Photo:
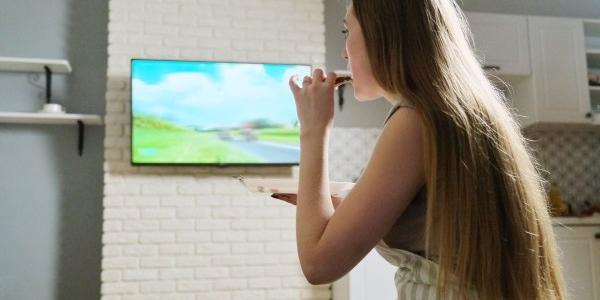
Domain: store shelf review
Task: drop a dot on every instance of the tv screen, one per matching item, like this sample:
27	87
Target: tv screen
213	113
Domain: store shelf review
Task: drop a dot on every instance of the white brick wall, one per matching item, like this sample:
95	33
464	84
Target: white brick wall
193	232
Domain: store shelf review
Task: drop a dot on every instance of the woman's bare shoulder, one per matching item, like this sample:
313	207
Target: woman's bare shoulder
400	143
402	119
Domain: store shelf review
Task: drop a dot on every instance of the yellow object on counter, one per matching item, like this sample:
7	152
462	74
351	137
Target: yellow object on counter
557	206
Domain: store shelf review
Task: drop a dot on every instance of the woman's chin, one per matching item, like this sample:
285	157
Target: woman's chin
364	97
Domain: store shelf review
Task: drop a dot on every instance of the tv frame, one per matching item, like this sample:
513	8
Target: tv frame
170	164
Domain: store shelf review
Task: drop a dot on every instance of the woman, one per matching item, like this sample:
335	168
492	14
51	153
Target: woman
450	165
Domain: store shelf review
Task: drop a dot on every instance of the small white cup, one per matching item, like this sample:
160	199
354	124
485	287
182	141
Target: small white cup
53	108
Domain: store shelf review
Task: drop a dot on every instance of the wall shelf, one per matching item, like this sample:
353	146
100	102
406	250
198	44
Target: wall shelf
45	118
593	58
591	30
54	119
15	64
48	66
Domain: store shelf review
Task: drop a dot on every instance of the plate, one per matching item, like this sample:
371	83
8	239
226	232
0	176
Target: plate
288	186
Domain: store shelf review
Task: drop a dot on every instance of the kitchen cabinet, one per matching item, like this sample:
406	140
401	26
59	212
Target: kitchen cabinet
372	278
557	91
501	42
579	245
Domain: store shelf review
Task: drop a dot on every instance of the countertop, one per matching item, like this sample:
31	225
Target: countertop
580	221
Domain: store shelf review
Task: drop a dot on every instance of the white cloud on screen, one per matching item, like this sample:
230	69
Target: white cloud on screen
245	92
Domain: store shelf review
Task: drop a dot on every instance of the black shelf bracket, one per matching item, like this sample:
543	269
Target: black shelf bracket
48	83
80	136
340	91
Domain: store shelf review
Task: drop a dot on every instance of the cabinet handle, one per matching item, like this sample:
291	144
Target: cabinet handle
597	236
588	115
491	67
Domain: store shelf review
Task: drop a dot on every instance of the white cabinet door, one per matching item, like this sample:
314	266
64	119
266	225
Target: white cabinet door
372	278
580	260
501	42
559	70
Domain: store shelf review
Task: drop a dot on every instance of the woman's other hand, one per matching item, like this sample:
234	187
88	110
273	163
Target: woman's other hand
291	198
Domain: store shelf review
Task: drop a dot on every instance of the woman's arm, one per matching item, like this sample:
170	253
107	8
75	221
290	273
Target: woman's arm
392	177
314	209
331	241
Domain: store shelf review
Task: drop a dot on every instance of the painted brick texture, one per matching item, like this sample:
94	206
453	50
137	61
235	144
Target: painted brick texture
194	232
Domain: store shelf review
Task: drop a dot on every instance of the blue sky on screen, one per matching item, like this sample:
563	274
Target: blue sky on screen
211	94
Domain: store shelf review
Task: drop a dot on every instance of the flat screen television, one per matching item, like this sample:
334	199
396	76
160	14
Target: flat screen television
213	113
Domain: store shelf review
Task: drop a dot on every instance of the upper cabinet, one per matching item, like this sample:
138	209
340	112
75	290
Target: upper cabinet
559	72
551	64
592	45
501	42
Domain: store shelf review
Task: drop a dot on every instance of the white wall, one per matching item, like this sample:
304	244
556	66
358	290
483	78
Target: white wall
369	114
50	197
195	233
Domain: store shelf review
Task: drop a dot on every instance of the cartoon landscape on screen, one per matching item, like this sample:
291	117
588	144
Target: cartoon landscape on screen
215	113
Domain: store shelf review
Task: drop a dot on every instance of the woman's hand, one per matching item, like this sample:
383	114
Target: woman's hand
314	102
291	198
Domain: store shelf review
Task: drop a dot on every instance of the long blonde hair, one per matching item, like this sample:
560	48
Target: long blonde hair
487	218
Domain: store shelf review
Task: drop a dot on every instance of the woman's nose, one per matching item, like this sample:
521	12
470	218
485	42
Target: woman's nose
344	54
